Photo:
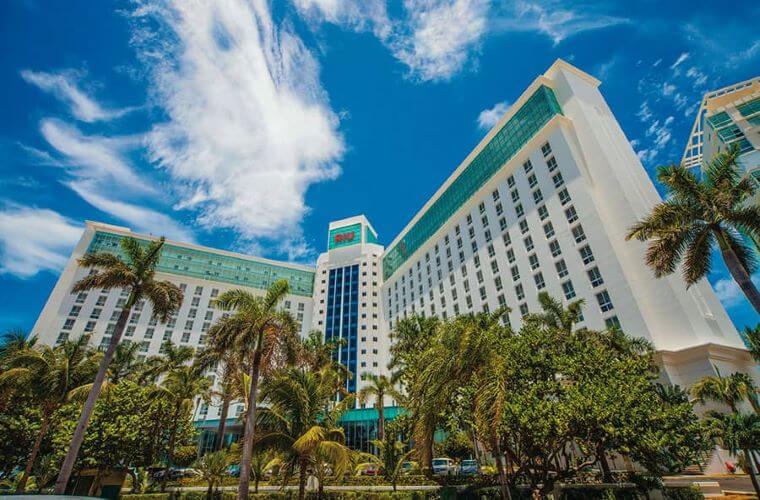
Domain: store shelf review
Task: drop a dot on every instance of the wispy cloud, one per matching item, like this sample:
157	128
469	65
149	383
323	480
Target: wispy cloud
553	19
64	85
491	116
34	240
249	127
679	60
729	293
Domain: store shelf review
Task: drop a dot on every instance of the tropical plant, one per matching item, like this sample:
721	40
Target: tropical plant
378	387
52	373
259	331
301	422
181	387
125	364
738	432
135	274
45	470
697	215
751	338
12	342
730	391
390	458
212	468
172	357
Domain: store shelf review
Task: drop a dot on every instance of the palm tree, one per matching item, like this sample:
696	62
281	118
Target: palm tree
260	332
736	432
391	458
52	373
729	390
697	215
172	357
12	342
752	340
135	274
125	364
212	468
301	421
378	387
181	386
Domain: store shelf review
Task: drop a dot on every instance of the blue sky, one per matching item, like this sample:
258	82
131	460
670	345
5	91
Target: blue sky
250	124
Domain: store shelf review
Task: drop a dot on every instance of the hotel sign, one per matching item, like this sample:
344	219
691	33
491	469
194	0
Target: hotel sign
344	236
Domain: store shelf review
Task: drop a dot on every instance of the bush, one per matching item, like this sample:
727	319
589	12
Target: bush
683	493
293	494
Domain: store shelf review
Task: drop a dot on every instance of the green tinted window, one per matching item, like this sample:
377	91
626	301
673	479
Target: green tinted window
749	108
528	120
214	267
719	120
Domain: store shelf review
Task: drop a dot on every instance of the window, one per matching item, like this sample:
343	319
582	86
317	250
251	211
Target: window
497	283
75	311
527	166
188	325
101	300
62	337
523	310
487	236
495	195
482	207
214	292
469	219
567	288
209	315
185	337
95	314
523	226
612	322
548	230
571	214
80	297
130	331
149	333
533	259
511	256
484	220
515	195
519	210
195	301
543	213
605	302
198	290
555	248
502	223
578	233
482	293
552	164
558	180
564	197
494	267
519	292
90	326
561	268
539	279
528	244
586	255
594	276
532	181
546	149
511	181
538	197
507	240
515	273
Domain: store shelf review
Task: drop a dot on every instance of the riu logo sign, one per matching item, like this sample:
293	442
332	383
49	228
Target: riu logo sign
344	237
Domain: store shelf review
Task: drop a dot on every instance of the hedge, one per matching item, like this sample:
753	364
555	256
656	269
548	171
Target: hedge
293	494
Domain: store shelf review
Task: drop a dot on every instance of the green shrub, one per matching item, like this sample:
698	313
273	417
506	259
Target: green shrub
683	493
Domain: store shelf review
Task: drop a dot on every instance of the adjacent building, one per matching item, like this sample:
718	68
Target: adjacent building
542	203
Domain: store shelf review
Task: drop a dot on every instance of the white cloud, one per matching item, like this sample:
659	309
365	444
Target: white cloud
668	89
490	117
644	113
64	86
681	58
249	126
359	15
729	293
699	78
439	36
34	240
553	20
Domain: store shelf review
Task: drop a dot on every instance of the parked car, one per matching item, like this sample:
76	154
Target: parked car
369	470
444	467
410	467
234	470
468	467
180	472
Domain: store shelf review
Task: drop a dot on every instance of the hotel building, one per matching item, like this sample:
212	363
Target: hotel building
542	203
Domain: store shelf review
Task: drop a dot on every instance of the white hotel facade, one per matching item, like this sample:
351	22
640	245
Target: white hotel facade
543	203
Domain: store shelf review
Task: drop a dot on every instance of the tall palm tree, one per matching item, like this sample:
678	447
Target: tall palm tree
229	372
52	374
12	342
135	274
378	387
181	387
698	214
729	390
124	364
736	432
301	421
261	333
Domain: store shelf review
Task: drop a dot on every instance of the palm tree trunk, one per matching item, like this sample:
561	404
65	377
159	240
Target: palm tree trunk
44	423
302	479
222	423
89	405
752	475
250	421
602	457
210	490
738	272
503	484
170	450
380	421
94	484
